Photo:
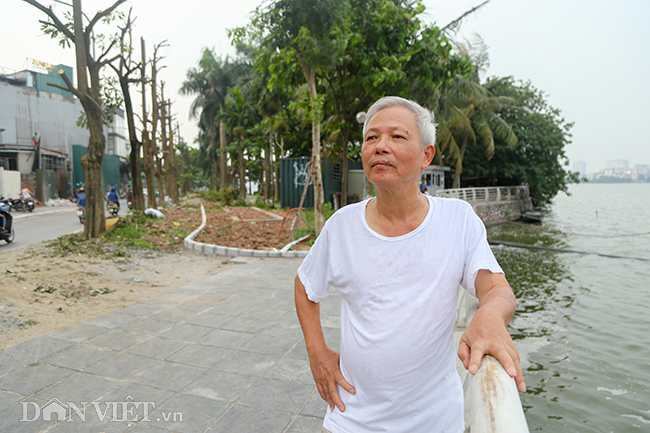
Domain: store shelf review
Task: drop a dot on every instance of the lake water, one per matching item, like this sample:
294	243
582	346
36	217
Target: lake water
583	321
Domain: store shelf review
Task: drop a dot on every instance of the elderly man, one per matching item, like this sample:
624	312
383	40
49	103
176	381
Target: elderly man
397	260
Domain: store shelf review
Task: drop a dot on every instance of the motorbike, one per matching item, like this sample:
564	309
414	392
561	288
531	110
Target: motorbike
81	213
129	204
113	208
5	203
7	232
16	203
28	205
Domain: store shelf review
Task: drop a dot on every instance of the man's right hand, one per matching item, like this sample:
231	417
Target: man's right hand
327	374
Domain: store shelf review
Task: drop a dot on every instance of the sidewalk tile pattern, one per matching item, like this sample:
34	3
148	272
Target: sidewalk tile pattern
221	355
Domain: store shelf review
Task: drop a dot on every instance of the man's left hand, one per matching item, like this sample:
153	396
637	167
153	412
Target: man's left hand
487	333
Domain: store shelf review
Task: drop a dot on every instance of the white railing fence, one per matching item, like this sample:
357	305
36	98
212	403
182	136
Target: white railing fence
488	194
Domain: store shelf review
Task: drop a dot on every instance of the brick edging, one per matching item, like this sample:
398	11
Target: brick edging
218	250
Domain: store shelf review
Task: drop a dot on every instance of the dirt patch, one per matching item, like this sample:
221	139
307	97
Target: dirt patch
49	286
41	292
246	227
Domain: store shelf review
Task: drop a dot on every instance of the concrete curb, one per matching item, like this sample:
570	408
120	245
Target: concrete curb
217	250
38	214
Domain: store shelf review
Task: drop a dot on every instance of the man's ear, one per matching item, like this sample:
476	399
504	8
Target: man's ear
429	152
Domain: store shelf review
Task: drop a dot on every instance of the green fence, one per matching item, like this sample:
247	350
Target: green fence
293	172
110	168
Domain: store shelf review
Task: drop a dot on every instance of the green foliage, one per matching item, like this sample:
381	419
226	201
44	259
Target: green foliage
539	159
228	195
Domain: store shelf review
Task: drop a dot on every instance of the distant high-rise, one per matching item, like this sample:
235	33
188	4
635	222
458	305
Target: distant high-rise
580	167
617	165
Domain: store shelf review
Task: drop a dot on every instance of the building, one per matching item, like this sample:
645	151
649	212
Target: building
617	166
580	167
39	131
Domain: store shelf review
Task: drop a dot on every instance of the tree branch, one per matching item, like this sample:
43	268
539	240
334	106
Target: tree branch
68	83
50	13
101	14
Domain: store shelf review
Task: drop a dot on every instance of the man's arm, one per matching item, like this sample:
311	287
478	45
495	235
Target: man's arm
324	361
487	333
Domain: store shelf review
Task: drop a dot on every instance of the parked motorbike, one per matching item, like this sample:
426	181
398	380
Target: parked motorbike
129	204
81	213
7	233
16	203
28	205
113	208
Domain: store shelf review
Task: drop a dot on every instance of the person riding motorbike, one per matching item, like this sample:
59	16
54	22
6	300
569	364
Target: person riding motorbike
113	197
81	198
4	207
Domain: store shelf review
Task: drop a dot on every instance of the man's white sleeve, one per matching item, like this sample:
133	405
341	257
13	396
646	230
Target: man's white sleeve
315	271
478	252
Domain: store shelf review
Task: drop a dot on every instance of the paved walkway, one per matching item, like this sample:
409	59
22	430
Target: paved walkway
221	355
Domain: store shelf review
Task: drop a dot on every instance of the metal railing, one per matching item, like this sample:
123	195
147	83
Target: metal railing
492	403
487	194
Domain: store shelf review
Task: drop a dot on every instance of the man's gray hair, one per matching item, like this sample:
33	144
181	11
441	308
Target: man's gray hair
423	118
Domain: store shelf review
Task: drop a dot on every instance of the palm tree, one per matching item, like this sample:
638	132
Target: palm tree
467	112
237	113
210	82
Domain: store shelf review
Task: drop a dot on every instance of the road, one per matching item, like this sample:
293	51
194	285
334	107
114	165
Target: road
45	224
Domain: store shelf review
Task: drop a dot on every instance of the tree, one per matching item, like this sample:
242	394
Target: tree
314	32
88	90
210	82
539	159
467	112
123	70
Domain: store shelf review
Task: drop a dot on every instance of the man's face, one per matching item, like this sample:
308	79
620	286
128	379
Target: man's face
392	153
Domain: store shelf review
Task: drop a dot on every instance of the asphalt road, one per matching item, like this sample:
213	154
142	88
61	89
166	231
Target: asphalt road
45	224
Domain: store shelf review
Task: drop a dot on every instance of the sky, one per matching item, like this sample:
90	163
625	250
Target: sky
590	57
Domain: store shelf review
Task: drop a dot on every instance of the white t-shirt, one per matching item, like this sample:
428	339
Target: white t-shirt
398	308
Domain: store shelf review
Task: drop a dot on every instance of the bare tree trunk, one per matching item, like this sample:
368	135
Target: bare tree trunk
319	199
173	165
222	155
242	170
160	179
459	165
147	144
276	195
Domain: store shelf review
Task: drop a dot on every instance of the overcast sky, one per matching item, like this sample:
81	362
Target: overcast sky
590	57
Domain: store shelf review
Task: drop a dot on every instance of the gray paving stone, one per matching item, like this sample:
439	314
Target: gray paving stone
92	423
77	357
254	364
269	345
186	332
147	325
197	413
315	407
38	348
292	370
77	333
331	321
221	385
110	320
121	366
116	340
299	351
11	416
32	378
213	320
194	306
6	398
200	356
278	395
174	315
305	424
78	387
260	313
140	310
157	347
169	375
243	419
230	309
284	330
225	339
146	397
10	363
240	324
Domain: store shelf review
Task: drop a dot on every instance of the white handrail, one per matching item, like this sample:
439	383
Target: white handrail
492	403
488	194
